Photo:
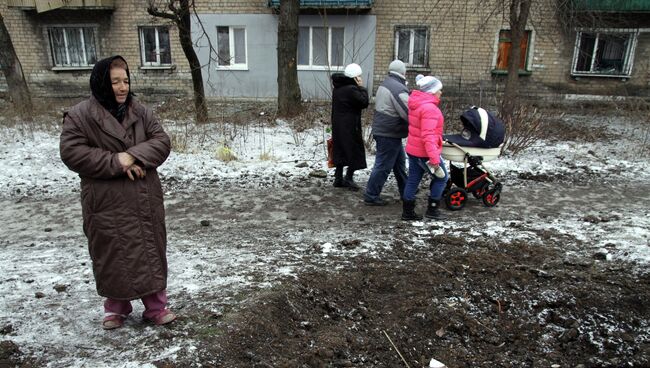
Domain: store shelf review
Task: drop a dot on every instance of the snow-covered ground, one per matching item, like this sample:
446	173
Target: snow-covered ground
42	247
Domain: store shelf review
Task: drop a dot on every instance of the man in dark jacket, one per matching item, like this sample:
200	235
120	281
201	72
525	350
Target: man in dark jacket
389	126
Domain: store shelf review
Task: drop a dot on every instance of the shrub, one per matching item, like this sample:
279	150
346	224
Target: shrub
523	129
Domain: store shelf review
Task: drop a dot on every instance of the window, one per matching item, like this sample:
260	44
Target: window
155	48
504	47
231	47
411	45
604	53
72	46
321	47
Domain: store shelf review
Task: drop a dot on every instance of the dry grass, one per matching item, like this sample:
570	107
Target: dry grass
267	156
225	154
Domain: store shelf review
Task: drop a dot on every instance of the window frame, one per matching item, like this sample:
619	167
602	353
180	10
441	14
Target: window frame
78	26
628	57
329	66
412	29
157	64
231	47
527	70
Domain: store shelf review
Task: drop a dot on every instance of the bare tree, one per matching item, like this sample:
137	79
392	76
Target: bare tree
289	98
178	11
13	71
519	11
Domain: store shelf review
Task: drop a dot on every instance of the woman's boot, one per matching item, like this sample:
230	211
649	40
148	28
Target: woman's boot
433	210
348	181
338	177
408	211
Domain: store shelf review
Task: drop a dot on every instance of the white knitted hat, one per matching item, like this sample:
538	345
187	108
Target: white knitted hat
353	70
429	84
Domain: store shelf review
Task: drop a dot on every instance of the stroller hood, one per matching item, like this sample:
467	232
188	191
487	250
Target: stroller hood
481	129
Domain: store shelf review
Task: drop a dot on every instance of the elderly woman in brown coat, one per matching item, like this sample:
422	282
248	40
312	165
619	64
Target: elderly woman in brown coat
115	145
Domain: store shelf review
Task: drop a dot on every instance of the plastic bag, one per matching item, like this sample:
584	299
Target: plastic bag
330	153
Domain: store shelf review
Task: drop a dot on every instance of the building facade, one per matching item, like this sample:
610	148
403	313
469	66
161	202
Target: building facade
464	43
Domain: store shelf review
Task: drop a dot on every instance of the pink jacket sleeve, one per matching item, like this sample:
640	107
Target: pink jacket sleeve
432	129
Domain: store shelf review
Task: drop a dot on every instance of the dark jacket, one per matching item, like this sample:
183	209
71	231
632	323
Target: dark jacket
123	220
348	99
391	111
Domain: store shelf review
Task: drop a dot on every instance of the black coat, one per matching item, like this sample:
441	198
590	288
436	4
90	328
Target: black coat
348	99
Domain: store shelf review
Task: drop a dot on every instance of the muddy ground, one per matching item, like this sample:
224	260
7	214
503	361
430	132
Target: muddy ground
333	283
463	297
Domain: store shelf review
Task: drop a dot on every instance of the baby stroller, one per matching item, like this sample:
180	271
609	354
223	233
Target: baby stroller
480	141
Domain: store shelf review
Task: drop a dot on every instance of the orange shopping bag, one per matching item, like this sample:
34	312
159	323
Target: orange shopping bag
330	154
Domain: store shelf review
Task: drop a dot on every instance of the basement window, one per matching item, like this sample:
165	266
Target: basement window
604	53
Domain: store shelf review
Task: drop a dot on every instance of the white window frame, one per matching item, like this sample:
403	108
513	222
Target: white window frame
412	30
155	64
329	66
231	45
628	61
79	27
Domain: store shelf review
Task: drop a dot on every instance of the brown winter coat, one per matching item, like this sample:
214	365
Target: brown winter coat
123	220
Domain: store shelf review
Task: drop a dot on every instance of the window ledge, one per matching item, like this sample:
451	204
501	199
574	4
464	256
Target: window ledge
158	67
418	68
505	72
316	68
235	68
71	68
622	77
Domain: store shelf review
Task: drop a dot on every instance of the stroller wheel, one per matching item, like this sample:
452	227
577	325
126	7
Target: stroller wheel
455	199
491	197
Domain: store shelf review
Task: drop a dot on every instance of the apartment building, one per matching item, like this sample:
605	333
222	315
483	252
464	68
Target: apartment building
588	47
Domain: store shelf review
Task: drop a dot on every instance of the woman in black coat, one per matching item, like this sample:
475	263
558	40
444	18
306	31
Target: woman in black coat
349	97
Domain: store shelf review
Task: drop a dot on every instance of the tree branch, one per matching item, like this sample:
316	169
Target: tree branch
156	13
152	9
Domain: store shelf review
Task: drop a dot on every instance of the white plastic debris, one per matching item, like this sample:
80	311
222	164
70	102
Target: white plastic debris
436	364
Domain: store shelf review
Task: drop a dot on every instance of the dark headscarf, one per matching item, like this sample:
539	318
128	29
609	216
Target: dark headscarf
102	88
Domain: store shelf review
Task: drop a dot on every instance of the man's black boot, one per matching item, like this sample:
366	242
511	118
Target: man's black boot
408	211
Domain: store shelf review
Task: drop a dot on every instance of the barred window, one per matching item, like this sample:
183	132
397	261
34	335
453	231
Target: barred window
604	53
72	46
411	45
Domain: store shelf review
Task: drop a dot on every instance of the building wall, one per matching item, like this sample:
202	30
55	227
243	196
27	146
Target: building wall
117	34
233	7
463	46
259	80
462	49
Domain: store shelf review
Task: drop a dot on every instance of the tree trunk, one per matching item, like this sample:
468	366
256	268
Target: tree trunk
289	99
519	10
180	15
13	71
185	35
